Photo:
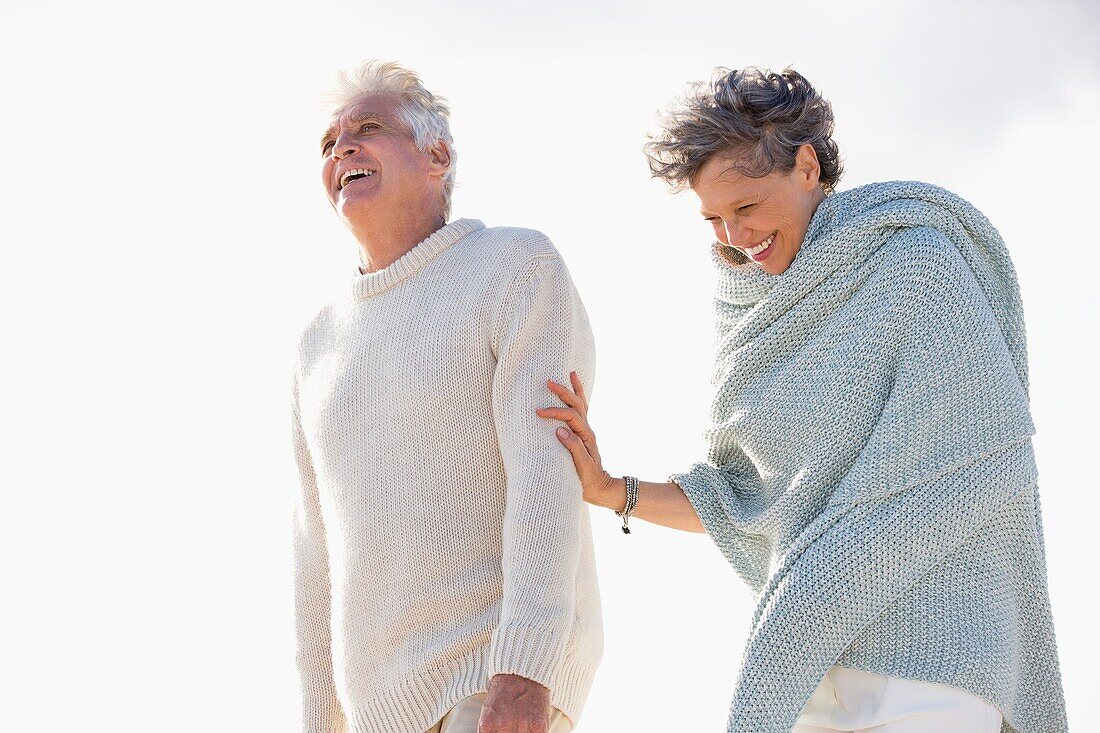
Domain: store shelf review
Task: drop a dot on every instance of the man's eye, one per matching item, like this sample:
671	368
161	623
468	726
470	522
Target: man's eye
326	147
368	126
745	209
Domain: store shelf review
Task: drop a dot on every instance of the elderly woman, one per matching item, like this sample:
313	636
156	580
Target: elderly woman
870	472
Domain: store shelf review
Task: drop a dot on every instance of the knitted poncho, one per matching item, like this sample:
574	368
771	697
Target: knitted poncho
870	472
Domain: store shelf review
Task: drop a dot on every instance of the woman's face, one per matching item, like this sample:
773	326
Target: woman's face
765	218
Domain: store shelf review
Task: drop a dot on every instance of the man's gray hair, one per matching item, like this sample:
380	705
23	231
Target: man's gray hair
756	116
425	114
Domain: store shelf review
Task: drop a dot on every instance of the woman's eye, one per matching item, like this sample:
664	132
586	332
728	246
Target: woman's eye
326	147
368	126
745	209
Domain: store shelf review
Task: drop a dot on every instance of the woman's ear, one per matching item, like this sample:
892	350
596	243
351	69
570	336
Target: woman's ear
807	166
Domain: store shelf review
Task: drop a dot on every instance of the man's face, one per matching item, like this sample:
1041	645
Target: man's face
371	166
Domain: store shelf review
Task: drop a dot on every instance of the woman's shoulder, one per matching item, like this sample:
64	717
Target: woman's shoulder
877	192
921	268
923	220
874	206
921	248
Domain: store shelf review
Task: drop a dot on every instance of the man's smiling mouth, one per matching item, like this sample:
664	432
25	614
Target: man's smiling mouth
354	175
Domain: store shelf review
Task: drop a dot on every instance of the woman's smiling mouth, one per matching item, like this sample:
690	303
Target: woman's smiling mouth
760	248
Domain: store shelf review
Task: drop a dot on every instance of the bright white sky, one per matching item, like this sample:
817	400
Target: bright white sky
166	236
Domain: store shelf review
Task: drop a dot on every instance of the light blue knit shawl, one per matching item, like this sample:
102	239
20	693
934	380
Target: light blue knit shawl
870	472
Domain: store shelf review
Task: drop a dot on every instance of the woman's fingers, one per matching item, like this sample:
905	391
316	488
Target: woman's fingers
567	436
568	397
575	379
578	436
578	424
567	415
582	461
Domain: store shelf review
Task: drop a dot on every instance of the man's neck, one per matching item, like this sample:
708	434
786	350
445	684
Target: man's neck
383	243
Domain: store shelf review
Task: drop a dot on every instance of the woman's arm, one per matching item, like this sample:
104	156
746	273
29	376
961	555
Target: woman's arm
664	504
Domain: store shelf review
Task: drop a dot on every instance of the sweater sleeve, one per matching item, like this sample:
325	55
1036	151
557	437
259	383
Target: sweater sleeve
321	712
541	332
712	489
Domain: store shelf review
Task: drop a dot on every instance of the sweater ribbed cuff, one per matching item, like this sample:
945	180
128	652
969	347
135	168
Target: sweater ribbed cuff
536	654
417	702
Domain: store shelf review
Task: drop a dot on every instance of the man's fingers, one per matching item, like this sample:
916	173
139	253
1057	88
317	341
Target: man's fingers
487	725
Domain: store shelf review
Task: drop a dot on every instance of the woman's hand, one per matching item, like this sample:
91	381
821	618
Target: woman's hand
578	437
664	504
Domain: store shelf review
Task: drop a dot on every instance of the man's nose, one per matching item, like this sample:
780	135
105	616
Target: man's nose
344	146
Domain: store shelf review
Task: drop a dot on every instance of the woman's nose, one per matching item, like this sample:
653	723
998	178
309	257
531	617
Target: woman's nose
735	233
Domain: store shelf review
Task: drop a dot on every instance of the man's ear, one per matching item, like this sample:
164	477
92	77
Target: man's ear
440	158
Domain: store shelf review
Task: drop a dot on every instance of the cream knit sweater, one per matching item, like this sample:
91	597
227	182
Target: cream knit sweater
440	537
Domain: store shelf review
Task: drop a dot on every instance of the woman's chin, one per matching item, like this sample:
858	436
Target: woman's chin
776	266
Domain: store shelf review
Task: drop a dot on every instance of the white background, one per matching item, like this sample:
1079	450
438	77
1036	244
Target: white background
165	236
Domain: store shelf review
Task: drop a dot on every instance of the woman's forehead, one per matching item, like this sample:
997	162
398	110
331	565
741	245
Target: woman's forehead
721	177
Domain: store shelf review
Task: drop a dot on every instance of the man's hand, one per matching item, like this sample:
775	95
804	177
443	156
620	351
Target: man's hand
515	704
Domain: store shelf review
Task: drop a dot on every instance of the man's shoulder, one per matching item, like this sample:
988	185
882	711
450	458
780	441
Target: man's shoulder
512	247
317	330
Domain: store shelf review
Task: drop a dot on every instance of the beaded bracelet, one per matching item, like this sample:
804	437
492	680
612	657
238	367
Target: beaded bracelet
631	501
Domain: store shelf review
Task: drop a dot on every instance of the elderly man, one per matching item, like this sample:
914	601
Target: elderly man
445	579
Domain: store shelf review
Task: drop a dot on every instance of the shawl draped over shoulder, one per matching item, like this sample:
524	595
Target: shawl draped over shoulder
870	471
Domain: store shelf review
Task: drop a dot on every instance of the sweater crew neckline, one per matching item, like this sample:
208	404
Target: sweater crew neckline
410	263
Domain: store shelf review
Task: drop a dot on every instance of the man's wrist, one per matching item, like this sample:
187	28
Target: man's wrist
518	678
515	703
518	684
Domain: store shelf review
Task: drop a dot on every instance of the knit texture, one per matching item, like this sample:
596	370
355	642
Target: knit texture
440	534
870	471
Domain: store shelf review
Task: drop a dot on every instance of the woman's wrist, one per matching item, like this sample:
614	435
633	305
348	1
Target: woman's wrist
666	504
613	493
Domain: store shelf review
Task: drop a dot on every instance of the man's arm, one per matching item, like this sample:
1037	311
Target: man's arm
541	332
321	712
664	504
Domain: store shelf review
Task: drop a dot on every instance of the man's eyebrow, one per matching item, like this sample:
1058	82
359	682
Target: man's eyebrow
366	117
360	118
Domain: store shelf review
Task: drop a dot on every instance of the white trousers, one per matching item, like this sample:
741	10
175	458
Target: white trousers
852	701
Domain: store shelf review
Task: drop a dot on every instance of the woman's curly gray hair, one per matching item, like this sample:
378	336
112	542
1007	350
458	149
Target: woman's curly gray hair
755	115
